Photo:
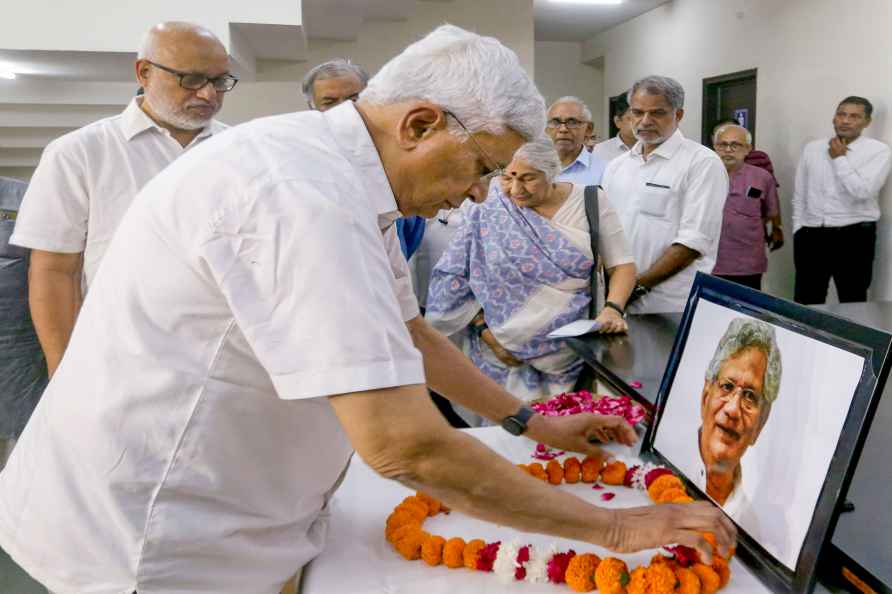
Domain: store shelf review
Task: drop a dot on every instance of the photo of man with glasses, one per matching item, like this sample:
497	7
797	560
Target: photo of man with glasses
741	385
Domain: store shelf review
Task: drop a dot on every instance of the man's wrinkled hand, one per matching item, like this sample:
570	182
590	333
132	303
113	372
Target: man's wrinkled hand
582	432
655	526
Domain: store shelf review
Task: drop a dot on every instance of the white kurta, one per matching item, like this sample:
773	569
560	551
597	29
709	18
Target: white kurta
676	196
87	179
185	443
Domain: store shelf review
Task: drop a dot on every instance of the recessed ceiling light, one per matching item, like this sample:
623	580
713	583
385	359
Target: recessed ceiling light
586	1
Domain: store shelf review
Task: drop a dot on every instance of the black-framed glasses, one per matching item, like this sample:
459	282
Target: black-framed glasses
570	123
729	146
195	81
496	170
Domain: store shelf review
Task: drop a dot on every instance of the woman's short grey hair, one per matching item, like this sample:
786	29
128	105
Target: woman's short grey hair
540	154
477	79
721	130
745	333
586	112
337	68
667	87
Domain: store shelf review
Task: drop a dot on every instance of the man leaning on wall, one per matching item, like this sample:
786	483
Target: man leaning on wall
87	179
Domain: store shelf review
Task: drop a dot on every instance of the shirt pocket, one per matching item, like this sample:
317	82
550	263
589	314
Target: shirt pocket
745	206
656	202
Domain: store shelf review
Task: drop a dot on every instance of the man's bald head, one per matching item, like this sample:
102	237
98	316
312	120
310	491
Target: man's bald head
183	48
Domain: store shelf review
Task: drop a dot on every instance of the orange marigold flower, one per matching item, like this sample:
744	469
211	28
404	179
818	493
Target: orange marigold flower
432	550
688	582
433	505
419	510
683	499
710	538
710	582
572	470
638	581
555	472
612	576
614	473
669	495
402	531
453	553
661	579
591	468
472	550
420	501
580	574
721	568
392	529
664	482
410	545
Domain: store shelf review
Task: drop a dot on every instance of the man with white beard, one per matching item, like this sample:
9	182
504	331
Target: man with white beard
87	179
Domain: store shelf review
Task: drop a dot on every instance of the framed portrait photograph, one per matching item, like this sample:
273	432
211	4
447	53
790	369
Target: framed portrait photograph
763	410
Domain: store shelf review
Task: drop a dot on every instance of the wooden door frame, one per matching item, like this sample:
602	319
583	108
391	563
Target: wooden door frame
708	84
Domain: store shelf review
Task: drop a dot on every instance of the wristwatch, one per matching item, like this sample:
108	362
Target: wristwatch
638	292
615	307
516	424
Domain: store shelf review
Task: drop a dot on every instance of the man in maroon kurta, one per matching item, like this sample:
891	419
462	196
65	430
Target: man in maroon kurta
752	203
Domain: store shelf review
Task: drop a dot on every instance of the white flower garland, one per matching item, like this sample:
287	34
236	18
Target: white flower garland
506	561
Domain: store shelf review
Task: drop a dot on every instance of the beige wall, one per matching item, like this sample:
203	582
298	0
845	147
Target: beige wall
809	53
560	71
277	89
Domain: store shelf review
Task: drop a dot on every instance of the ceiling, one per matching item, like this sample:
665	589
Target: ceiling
563	21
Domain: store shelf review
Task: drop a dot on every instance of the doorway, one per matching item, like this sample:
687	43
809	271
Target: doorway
613	112
730	96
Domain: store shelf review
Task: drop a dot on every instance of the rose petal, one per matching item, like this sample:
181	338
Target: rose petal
597	487
607	496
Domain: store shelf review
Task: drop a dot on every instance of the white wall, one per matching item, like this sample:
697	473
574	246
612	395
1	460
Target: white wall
809	53
560	71
277	89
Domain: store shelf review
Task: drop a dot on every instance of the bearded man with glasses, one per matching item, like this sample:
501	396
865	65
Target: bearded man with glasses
87	179
569	124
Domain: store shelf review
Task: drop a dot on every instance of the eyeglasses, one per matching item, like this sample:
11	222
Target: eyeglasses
729	146
750	400
195	81
495	170
571	124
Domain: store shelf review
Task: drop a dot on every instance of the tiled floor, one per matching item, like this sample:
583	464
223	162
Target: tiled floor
15	581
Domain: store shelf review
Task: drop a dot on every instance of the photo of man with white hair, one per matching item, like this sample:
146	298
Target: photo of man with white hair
253	323
741	385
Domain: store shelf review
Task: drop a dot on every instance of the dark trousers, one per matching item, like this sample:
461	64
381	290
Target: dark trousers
844	254
753	281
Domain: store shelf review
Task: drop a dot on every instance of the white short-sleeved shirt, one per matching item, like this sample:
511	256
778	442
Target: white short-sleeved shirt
87	179
676	196
185	443
610	149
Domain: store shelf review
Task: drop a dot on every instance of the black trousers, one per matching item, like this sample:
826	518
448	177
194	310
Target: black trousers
753	281
844	254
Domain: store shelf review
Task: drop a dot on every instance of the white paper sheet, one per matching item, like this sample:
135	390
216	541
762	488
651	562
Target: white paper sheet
577	328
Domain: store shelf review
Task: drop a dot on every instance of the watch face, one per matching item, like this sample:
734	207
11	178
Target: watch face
513	426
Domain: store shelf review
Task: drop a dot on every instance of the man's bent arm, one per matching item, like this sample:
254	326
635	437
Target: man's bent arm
400	434
676	258
54	295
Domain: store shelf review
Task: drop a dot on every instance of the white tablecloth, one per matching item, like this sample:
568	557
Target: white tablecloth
357	559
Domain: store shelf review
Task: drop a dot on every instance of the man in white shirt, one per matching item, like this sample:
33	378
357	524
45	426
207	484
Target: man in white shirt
836	207
253	319
624	140
87	179
669	192
569	123
331	83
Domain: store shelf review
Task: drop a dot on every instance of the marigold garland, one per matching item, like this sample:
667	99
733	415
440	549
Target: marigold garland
682	573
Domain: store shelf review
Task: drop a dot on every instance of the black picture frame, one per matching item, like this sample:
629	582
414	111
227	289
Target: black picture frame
872	344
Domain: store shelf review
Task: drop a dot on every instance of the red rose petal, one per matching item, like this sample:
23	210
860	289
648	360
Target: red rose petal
607	496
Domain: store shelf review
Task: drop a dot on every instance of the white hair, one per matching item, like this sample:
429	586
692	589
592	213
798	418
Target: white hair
336	68
586	112
540	154
669	88
148	48
724	127
477	79
744	333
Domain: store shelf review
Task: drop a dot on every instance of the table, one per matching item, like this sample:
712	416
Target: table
864	534
358	560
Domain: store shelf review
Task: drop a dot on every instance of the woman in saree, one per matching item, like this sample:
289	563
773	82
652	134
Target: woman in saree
520	267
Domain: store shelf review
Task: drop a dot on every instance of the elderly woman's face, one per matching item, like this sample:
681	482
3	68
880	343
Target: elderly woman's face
524	184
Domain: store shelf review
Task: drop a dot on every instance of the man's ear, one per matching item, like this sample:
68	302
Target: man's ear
703	398
420	120
142	68
618	121
679	114
589	129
